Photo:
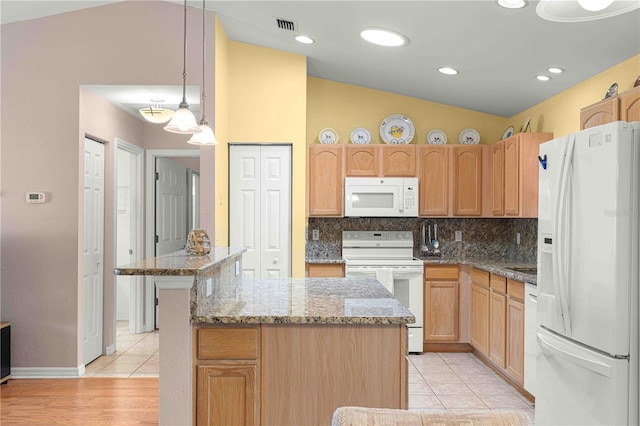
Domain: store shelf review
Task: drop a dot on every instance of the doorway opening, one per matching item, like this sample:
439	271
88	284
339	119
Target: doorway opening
158	226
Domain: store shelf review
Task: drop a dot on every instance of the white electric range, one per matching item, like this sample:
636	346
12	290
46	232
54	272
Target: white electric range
388	257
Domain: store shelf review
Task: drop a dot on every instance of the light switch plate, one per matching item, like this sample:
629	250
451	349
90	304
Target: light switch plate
237	268
209	286
517	238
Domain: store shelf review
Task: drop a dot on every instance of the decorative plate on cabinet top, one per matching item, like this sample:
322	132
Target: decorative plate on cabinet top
328	136
508	133
469	137
436	137
397	129
360	135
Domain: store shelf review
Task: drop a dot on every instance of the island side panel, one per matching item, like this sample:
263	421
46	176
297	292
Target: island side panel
310	370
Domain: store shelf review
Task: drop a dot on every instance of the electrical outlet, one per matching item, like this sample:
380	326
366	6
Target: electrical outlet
458	235
315	234
518	238
209	286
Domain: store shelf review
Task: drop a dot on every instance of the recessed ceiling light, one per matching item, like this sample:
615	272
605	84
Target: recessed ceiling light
304	39
555	70
448	70
512	4
385	38
543	77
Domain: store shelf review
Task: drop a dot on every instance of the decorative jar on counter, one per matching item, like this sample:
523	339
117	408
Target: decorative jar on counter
198	243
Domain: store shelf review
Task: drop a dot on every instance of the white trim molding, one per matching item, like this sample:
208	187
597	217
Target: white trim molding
47	372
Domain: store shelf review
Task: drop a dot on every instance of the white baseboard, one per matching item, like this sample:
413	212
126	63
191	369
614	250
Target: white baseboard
110	349
47	372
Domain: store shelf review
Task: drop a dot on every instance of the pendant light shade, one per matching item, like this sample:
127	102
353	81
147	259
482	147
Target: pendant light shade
206	136
183	121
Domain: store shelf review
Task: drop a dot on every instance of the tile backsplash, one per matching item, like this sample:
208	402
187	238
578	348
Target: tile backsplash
494	238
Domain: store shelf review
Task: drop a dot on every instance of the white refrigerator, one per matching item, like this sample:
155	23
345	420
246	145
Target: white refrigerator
587	368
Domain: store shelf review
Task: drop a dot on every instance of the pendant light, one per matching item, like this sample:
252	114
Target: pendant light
183	121
206	136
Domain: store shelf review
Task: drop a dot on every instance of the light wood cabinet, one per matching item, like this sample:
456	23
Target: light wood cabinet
630	105
497	178
441	302
325	270
399	160
227	394
479	315
434	180
624	107
227	385
467	180
515	339
497	321
325	180
514	174
381	160
363	160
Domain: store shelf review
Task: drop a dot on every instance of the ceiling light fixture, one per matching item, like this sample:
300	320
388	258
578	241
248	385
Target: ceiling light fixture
543	77
206	136
304	39
573	11
555	70
595	5
183	121
385	38
448	70
512	4
154	113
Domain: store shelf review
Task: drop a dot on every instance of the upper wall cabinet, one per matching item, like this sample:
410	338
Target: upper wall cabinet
381	160
434	180
514	174
326	180
467	180
630	105
624	107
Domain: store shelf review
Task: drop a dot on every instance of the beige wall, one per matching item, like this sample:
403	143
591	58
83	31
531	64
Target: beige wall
44	64
560	114
266	103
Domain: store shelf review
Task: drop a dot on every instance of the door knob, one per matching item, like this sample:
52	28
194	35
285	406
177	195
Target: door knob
275	261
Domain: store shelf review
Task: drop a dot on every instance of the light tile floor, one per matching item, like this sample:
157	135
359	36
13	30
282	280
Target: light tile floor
136	356
460	382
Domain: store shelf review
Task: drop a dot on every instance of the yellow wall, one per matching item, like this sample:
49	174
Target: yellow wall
222	134
345	107
560	114
265	103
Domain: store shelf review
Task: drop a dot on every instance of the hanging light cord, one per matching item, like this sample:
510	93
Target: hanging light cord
184	103
204	53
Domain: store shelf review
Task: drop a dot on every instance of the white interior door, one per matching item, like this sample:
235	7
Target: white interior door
129	289
93	248
171	206
260	208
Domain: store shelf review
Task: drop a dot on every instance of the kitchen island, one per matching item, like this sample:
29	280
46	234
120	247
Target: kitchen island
272	351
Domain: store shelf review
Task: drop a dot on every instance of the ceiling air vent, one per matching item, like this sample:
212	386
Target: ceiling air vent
286	25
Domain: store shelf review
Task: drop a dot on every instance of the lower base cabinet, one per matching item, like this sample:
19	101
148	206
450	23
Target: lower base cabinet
515	339
228	394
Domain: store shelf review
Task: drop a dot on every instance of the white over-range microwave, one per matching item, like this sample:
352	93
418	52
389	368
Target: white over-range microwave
380	197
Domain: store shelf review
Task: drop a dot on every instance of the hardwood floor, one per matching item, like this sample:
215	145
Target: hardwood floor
86	401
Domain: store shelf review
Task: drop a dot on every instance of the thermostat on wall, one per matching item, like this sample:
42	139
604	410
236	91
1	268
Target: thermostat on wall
35	197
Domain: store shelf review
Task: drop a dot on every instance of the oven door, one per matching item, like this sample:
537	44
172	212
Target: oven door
407	286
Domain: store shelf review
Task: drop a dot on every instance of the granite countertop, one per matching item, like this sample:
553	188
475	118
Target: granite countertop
495	266
298	301
180	263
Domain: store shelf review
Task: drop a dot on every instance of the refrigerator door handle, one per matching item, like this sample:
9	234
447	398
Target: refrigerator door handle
590	364
563	237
